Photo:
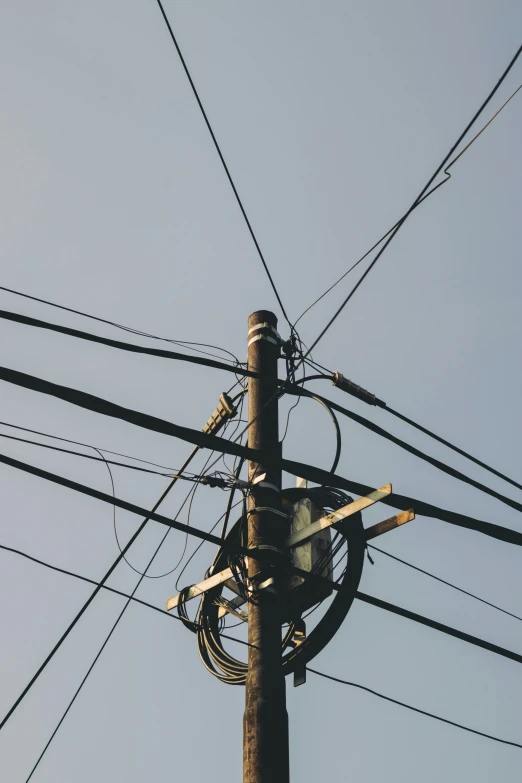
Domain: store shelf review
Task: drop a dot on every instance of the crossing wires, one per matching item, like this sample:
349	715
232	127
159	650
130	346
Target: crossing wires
426	188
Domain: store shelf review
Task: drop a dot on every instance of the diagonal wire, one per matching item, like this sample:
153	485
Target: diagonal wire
416	202
91	667
426	195
444	582
222	159
414	709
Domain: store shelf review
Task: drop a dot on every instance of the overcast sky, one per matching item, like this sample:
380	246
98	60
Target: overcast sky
331	116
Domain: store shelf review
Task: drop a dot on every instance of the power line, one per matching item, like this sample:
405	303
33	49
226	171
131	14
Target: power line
194	478
240	641
149	515
94	338
224	446
362	394
417	200
452	447
130	329
414	709
84	579
91	667
447	629
85	445
407	447
222	159
444	582
448	177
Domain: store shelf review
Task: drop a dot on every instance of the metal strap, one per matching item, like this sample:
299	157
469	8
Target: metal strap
265	326
262	337
267	508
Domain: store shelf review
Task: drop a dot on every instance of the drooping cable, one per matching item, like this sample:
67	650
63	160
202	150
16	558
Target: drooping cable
426	195
444	582
235	368
91	597
411	449
193	478
98	654
416	202
222	159
309	472
351	388
414	709
130	329
452	447
163	611
85	445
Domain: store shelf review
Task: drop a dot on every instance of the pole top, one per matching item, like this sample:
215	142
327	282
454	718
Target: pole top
262	316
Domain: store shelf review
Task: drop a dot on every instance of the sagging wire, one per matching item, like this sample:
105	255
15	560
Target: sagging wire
429	193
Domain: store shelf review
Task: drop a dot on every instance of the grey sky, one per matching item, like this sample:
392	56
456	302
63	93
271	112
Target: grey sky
331	116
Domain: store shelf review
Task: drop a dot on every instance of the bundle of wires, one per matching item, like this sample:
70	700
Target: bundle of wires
208	626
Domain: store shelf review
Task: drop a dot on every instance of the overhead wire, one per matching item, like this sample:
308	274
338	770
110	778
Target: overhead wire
193	478
384	406
448	177
414	709
417	200
223	162
91	598
116	325
175	617
222	445
96	658
86	445
408	447
236	368
444	581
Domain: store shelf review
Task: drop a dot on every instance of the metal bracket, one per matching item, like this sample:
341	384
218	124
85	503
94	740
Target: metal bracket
299	638
202	587
389	524
337	516
230	606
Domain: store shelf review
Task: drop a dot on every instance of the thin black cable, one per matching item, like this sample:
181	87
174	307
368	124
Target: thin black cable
86	445
309	472
84	579
448	176
417	200
384	406
194	478
136	570
91	667
444	582
222	159
196	550
121	326
91	598
414	709
452	447
411	449
235	368
175	617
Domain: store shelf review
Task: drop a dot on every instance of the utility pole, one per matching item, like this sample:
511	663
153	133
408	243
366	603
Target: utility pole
265	723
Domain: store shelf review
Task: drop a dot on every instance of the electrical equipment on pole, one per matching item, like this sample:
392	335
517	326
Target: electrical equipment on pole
279	561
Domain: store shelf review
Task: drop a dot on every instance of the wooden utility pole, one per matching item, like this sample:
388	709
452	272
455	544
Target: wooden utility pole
265	723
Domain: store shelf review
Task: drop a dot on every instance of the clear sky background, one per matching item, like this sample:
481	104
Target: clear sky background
331	116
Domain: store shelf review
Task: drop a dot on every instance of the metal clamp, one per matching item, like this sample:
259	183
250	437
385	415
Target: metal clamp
267	508
265	326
